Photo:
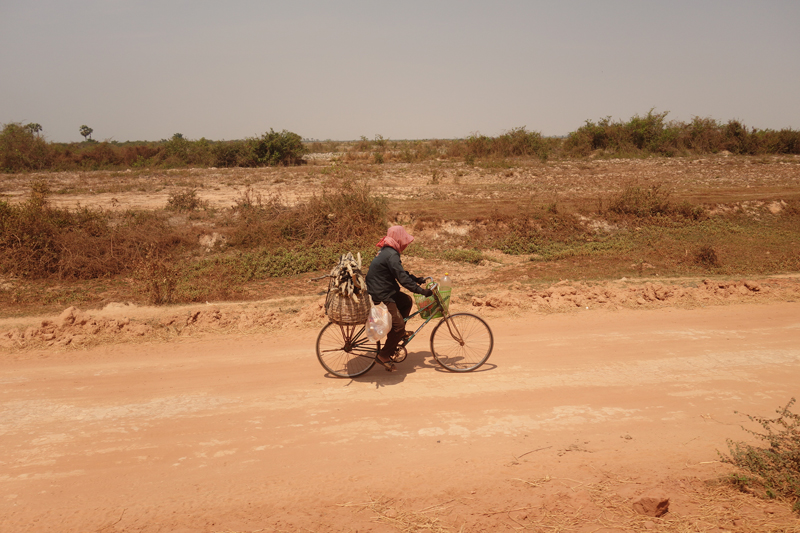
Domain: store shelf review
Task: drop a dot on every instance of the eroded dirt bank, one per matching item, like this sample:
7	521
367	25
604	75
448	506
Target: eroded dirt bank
575	415
75	328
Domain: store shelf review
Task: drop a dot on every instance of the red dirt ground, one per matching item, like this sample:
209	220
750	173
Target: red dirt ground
574	416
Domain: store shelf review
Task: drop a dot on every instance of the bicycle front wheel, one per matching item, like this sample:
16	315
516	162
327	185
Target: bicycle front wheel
461	342
345	351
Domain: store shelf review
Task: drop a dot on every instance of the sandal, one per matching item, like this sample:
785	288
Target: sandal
388	365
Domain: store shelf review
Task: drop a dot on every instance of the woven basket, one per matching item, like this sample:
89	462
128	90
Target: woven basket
343	310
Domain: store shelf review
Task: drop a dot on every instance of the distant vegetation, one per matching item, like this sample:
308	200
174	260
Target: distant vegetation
189	250
23	149
653	134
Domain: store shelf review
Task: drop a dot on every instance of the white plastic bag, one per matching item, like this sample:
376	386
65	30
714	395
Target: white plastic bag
379	322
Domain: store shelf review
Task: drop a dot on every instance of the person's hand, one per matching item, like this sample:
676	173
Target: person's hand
420	280
427	292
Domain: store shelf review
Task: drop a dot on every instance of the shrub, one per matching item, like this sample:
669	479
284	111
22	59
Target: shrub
463	256
588	138
703	135
228	153
514	143
95	155
641	202
273	149
706	256
346	211
21	149
647	134
652	134
776	468
38	240
183	201
654	201
157	276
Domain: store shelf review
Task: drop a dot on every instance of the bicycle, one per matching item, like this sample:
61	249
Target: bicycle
460	342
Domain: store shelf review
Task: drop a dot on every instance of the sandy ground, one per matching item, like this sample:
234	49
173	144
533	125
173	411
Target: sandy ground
708	181
574	416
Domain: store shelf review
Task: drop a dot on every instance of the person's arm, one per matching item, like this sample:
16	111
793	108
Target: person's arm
404	278
419	279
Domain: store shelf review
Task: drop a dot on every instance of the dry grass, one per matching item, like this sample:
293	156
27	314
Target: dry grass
556	214
391	512
713	506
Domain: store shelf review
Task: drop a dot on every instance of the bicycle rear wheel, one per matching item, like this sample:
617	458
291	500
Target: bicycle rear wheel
345	351
461	342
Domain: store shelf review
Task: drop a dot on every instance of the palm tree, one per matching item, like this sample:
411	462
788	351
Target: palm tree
34	128
86	131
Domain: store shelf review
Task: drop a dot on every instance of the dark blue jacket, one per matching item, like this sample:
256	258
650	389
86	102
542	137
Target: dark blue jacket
384	273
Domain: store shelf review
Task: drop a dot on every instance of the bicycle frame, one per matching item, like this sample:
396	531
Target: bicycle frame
356	340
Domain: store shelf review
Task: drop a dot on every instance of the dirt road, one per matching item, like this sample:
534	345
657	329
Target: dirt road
572	418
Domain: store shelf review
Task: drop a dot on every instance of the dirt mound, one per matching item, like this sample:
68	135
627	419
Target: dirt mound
76	328
120	322
564	296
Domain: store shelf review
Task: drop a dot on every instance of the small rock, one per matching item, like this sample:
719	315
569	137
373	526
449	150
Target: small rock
649	525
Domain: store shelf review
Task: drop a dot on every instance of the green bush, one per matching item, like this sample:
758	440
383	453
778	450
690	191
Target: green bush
273	149
653	135
776	468
647	134
515	143
21	149
180	151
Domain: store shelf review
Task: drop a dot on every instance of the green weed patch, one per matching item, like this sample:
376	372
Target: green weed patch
772	470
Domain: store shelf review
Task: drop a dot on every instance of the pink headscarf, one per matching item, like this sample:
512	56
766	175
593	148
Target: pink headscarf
396	237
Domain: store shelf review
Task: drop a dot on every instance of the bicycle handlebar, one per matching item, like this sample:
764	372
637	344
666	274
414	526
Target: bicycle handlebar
435	285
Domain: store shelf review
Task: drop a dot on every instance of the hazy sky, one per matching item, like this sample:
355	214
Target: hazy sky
143	70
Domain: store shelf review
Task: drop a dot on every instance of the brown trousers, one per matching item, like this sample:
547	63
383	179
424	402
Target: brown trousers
399	309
